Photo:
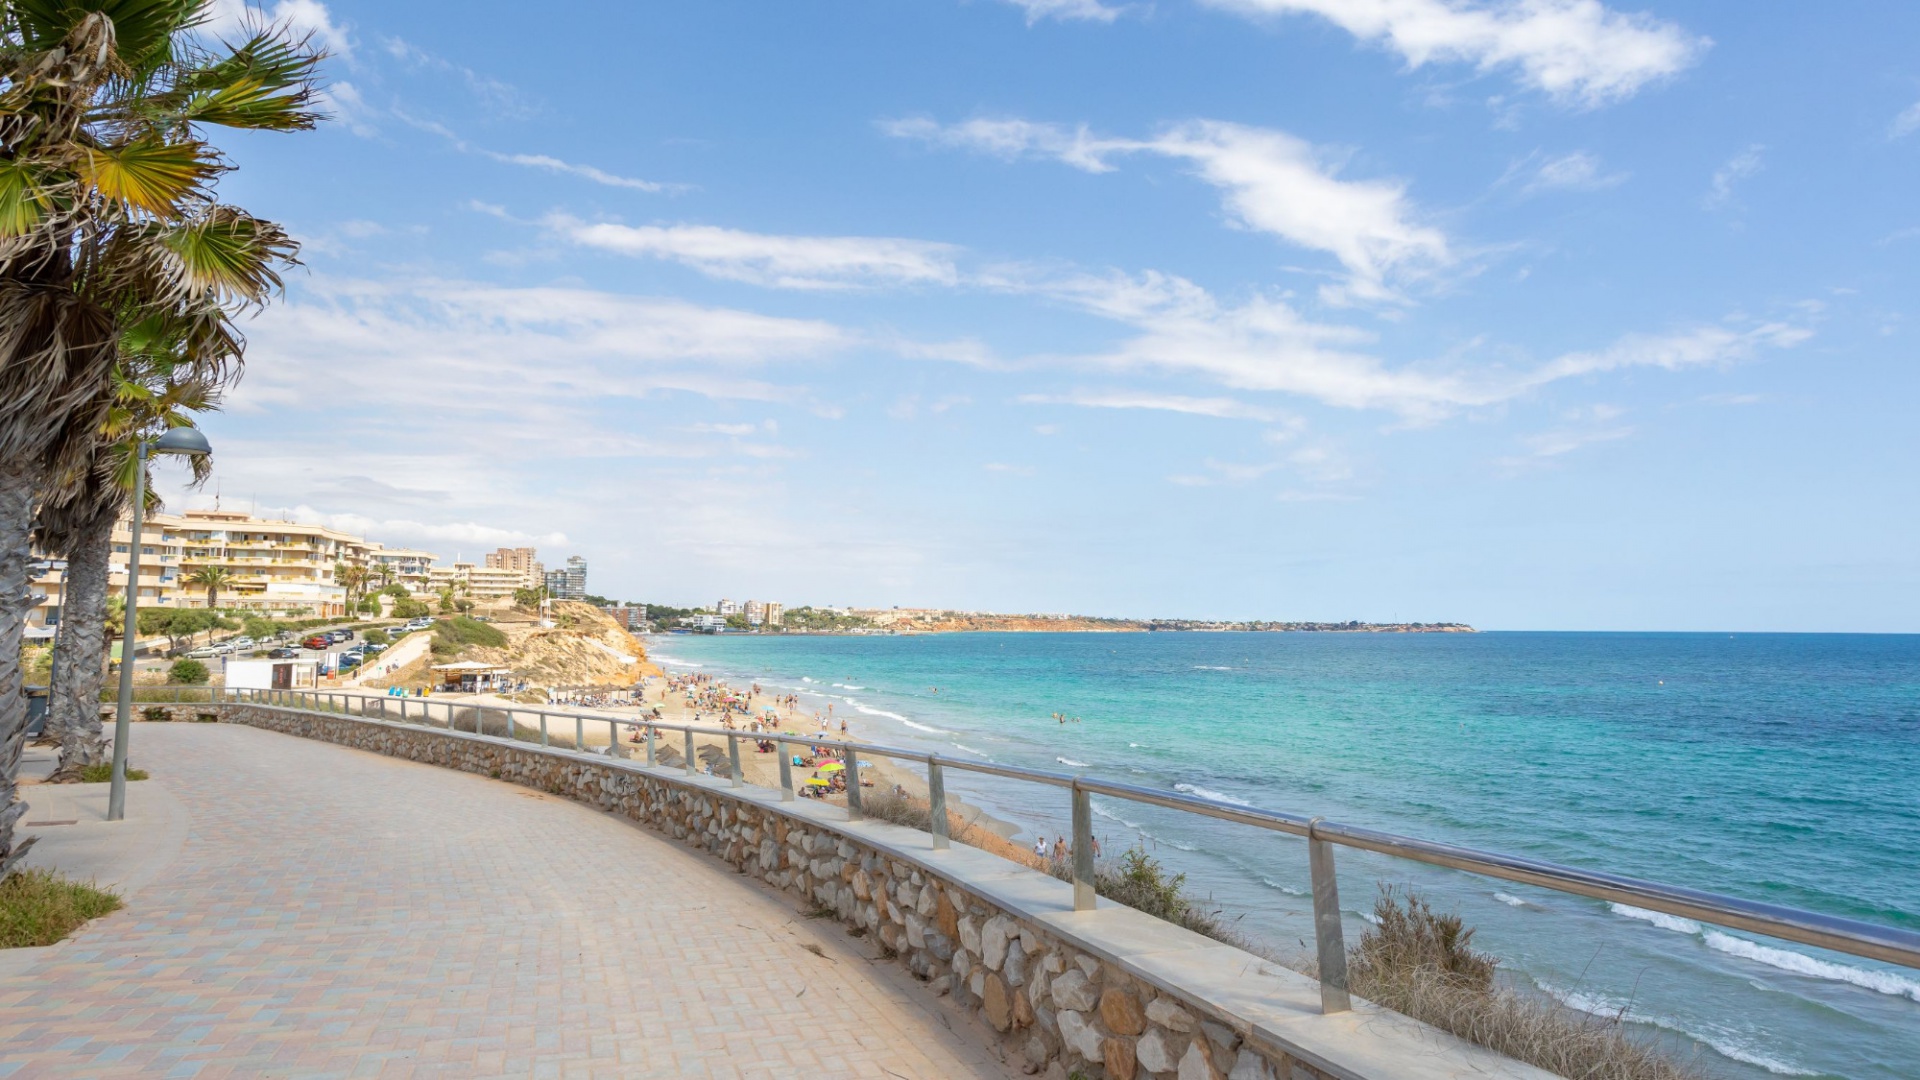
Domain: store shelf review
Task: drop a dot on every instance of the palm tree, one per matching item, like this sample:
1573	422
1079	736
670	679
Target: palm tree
108	218
76	519
212	579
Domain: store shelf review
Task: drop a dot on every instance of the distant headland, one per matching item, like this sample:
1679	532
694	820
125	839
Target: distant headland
835	620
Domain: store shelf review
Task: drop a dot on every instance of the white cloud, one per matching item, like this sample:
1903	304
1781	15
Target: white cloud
794	262
1271	181
1011	470
228	19
1220	407
585	172
1064	10
1263	345
1737	168
1578	171
1906	123
390	529
1576	51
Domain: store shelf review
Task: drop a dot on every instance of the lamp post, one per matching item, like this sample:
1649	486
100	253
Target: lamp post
180	440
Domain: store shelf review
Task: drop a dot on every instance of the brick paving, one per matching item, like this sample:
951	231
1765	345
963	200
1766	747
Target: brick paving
338	913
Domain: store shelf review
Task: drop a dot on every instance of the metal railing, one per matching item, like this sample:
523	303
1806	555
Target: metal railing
1850	936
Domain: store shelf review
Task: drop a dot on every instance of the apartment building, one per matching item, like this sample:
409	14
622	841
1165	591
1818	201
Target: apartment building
725	608
409	568
569	583
273	567
524	560
478	582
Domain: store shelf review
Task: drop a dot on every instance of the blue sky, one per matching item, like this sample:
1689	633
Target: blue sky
1536	315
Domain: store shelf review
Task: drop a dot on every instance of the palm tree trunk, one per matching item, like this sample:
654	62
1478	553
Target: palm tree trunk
17	484
74	701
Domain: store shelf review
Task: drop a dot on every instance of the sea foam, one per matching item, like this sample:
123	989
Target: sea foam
1723	1043
1660	919
1209	793
1072	763
1510	900
1883	982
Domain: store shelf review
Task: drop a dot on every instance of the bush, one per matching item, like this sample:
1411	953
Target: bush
1423	965
188	673
155	714
103	772
377	637
39	907
462	631
407	607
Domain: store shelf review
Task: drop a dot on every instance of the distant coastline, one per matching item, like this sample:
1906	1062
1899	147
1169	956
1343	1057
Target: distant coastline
936	621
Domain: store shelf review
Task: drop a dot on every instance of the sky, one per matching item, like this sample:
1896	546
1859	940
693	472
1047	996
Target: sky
1531	314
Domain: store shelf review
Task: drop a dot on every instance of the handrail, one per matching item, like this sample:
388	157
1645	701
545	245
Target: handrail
1844	935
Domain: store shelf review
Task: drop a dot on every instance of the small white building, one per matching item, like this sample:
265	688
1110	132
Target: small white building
271	674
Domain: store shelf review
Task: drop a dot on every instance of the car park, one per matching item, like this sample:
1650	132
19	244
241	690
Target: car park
284	654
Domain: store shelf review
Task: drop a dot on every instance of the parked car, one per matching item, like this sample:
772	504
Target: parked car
339	635
284	654
241	642
372	648
318	641
205	652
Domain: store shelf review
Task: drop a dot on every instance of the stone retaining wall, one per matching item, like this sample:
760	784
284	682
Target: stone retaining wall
1058	1008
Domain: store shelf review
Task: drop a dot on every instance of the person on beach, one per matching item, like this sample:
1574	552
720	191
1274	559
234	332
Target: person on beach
1040	846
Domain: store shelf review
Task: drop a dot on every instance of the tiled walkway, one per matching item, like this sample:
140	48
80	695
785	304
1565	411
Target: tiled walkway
337	913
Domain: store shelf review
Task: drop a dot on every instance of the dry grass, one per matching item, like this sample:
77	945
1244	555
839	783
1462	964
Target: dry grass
917	813
1422	964
103	773
40	907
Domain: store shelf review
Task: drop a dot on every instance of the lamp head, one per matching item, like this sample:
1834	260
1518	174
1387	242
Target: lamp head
183	440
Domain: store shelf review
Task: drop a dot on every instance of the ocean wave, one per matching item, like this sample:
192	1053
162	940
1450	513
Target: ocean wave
848	686
1288	889
1882	982
674	660
1660	919
916	725
1100	810
1209	793
1510	901
1138	746
1210	667
1069	762
806	678
971	750
1722	1043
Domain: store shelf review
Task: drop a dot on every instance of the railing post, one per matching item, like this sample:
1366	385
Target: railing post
1082	849
614	749
543	730
579	734
852	758
733	758
1327	934
689	752
936	804
786	772
652	756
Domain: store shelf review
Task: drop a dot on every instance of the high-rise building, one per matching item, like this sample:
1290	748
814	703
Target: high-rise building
570	583
756	613
725	608
776	614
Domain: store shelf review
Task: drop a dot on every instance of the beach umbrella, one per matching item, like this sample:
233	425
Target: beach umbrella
832	766
816	783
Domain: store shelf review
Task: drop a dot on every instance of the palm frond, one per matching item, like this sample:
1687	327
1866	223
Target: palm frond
24	198
230	254
149	176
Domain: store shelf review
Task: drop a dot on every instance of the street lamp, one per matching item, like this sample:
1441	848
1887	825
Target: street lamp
180	440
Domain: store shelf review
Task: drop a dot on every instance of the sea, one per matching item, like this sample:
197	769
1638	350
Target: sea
1777	767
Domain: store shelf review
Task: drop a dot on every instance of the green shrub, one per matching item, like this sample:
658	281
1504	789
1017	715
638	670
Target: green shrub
188	673
377	637
154	714
103	772
407	607
40	907
461	631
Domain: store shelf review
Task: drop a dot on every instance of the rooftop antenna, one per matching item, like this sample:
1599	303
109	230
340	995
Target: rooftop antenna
216	494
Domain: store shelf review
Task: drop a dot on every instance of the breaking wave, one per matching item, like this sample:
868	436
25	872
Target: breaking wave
1209	793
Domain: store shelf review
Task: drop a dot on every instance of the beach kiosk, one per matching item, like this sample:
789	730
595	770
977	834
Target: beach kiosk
471	677
270	674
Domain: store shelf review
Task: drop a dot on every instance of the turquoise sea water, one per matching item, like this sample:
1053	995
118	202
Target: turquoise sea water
1783	768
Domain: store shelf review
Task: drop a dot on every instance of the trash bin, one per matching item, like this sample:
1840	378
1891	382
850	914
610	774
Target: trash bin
36	711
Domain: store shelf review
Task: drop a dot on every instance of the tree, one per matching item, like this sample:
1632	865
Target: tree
409	608
446	601
529	597
153	391
176	624
107	218
212	579
190	672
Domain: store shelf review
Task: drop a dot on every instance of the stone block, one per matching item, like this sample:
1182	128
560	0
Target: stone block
1196	1065
969	935
993	941
1022	1010
1250	1066
925	903
1073	991
862	887
946	916
1159	1052
1121	1012
996	1003
1037	1053
1168	1014
1089	965
1080	1036
940	945
1117	1053
1015	967
916	931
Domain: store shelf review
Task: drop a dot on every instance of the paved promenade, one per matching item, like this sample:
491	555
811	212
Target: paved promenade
301	909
